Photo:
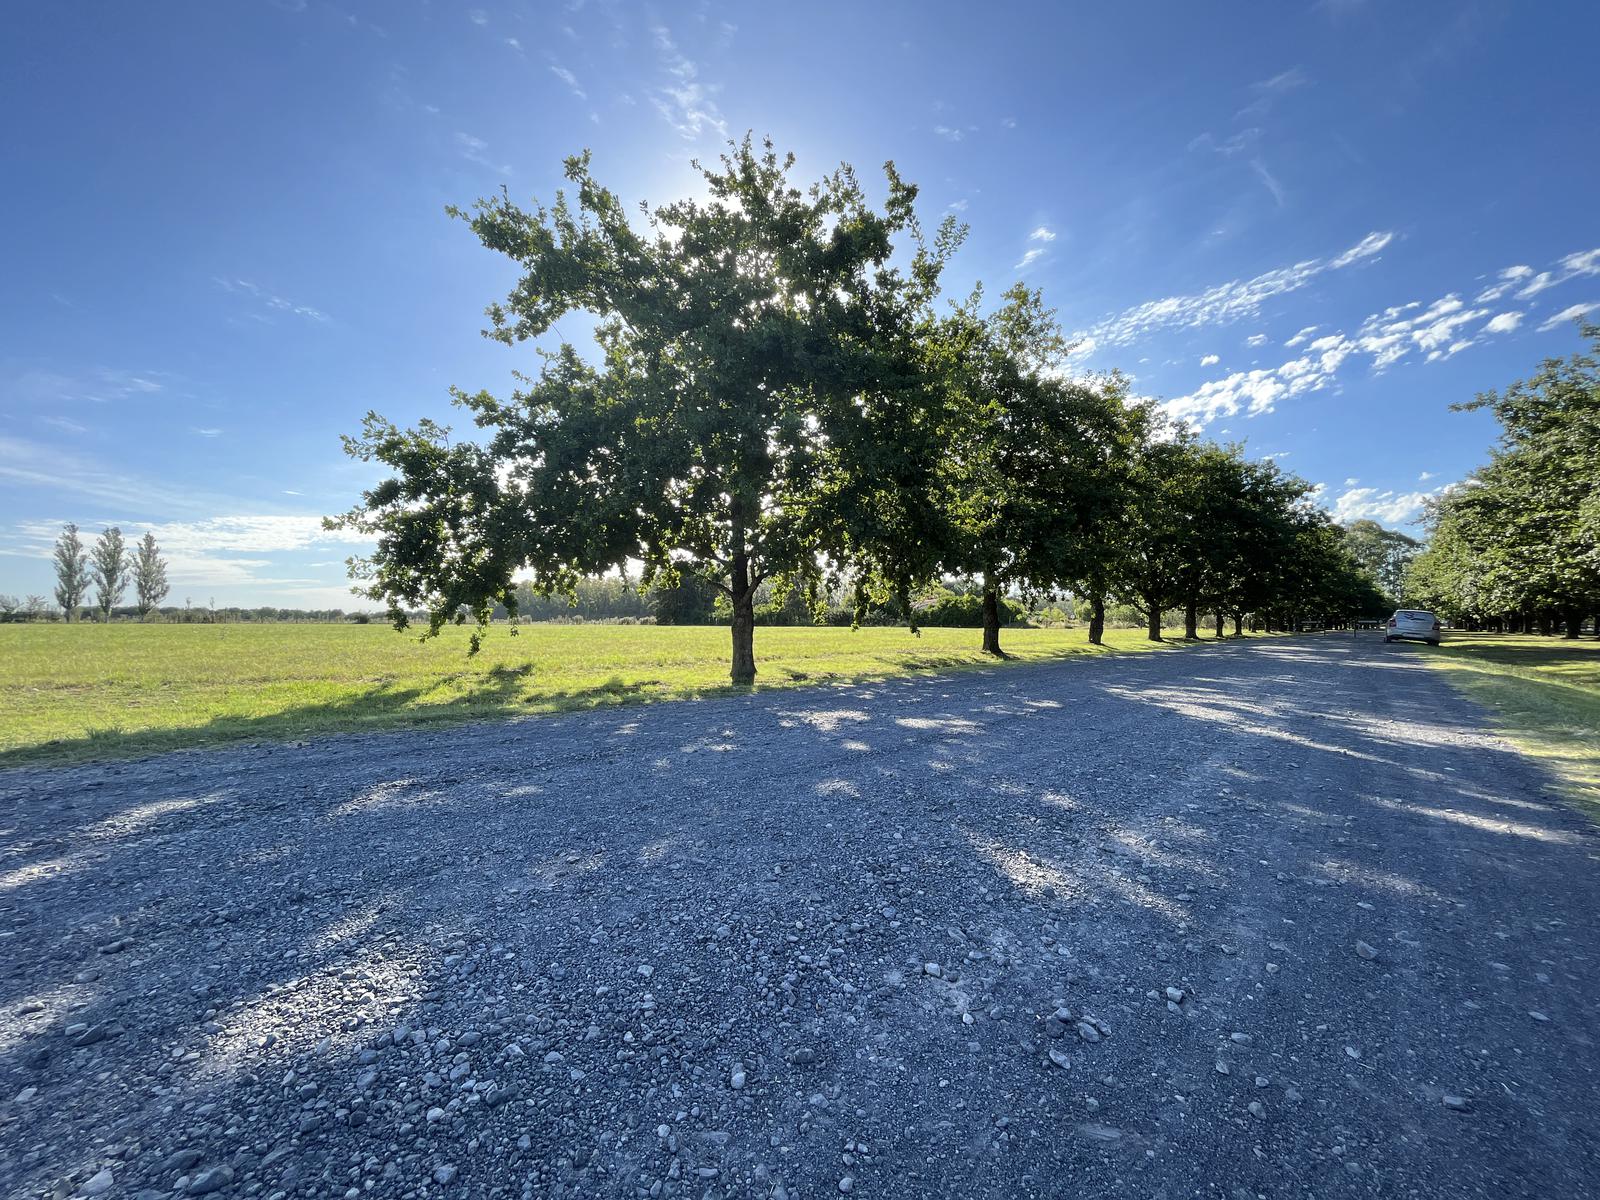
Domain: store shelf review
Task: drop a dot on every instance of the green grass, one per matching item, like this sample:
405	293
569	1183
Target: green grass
72	692
1545	694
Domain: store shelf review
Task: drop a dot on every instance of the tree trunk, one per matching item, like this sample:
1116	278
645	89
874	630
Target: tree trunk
1191	621
991	617
1574	624
1097	620
744	622
1154	626
1238	624
1219	623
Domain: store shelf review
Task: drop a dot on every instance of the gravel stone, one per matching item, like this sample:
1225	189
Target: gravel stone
494	959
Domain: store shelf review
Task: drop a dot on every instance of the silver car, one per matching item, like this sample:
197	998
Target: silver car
1411	624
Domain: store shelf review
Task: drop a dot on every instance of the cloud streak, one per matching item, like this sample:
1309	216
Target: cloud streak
685	102
1222	304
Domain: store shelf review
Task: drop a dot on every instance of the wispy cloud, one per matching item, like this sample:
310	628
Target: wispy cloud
1222	304
954	133
1573	266
270	300
1042	233
1571	313
685	103
100	385
476	150
1029	257
1269	91
1234	143
1256	339
1210	360
50	471
1268	180
206	433
1437	331
1365	248
571	80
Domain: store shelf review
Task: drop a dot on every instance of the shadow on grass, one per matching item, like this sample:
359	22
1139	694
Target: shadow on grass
498	695
507	691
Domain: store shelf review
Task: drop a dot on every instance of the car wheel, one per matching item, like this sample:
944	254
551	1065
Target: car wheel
1387	640
1433	642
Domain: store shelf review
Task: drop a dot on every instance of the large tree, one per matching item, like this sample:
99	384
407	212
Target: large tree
108	567
737	421
1382	553
149	575
1025	485
72	571
1518	542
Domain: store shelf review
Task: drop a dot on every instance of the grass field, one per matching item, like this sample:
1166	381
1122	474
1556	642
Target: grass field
96	691
1545	693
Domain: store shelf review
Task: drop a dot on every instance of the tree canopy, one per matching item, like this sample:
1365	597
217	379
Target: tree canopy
1517	543
775	399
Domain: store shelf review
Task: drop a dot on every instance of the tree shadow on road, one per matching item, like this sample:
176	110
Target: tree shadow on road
759	881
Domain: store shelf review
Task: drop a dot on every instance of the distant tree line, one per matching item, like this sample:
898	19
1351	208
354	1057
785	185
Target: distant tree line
1516	546
782	399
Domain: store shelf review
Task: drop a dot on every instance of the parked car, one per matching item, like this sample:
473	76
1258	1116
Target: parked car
1411	624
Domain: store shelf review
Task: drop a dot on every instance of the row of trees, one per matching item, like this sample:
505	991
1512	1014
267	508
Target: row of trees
781	398
1517	545
109	566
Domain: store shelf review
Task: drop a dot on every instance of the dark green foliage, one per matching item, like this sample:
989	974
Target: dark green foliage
1517	544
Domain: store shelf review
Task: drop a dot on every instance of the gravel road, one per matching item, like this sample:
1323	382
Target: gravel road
1270	919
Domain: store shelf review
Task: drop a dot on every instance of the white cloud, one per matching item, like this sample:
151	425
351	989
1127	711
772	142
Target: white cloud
1509	278
1425	476
102	385
1365	248
1256	339
477	16
1301	337
1224	303
207	433
1573	266
1008	122
1268	180
1385	507
1571	313
63	424
476	150
1042	233
685	103
1028	258
1503	323
514	44
274	302
571	80
1210	360
1351	482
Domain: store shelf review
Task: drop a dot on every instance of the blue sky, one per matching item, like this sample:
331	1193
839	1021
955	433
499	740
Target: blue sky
1311	227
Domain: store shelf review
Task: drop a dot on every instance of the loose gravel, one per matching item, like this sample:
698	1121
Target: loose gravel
1268	919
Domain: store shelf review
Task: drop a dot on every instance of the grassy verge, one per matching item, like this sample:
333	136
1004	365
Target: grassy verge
1545	694
96	691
